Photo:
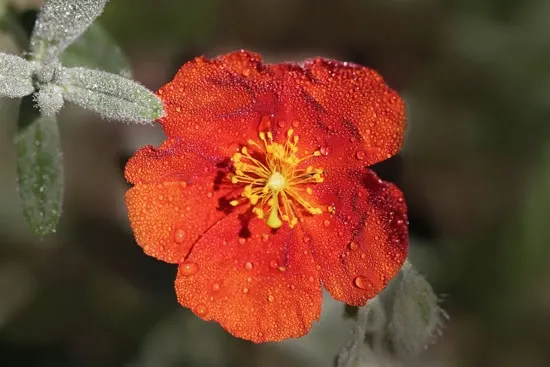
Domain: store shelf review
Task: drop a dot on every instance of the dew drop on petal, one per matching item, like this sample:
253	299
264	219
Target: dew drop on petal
306	239
201	309
282	268
216	287
295	123
361	282
245	290
363	256
326	222
270	298
179	236
353	246
188	268
210	194
242	241
248	265
273	264
324	150
360	155
311	279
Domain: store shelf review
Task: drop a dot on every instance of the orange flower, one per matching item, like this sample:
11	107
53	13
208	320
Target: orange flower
261	192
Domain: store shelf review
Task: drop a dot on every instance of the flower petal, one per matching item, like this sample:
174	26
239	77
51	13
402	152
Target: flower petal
173	160
176	198
258	284
344	109
364	244
217	103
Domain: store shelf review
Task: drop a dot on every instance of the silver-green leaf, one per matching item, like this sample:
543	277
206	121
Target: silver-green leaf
417	318
15	76
111	96
40	174
59	23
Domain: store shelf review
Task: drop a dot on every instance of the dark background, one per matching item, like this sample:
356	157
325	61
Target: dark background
475	170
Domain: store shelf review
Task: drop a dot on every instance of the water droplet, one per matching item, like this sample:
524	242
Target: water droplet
216	287
295	123
363	256
281	123
353	246
362	282
248	265
400	221
265	237
210	195
179	236
360	155
306	239
201	309
242	241
249	280
270	298
178	109
311	279
246	72
188	268
318	267
292	286
273	264
282	268
324	150
326	222
245	290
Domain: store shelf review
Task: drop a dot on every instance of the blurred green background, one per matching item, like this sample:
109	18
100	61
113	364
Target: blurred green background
475	170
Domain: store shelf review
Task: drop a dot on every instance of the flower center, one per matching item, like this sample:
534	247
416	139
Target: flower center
273	181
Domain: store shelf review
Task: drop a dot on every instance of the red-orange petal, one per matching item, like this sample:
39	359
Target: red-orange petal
173	160
364	244
258	284
168	218
346	110
218	103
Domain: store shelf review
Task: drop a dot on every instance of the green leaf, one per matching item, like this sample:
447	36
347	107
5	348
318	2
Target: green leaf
95	49
111	96
15	76
40	174
59	23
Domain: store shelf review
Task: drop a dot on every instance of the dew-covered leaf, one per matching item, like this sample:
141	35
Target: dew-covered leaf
111	96
95	49
15	76
59	23
40	174
417	319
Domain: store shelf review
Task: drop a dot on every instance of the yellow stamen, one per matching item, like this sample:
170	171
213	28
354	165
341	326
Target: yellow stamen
275	183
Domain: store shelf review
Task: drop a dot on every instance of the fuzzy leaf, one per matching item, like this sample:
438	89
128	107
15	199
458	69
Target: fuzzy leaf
59	23
111	96
417	318
95	49
15	76
40	174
